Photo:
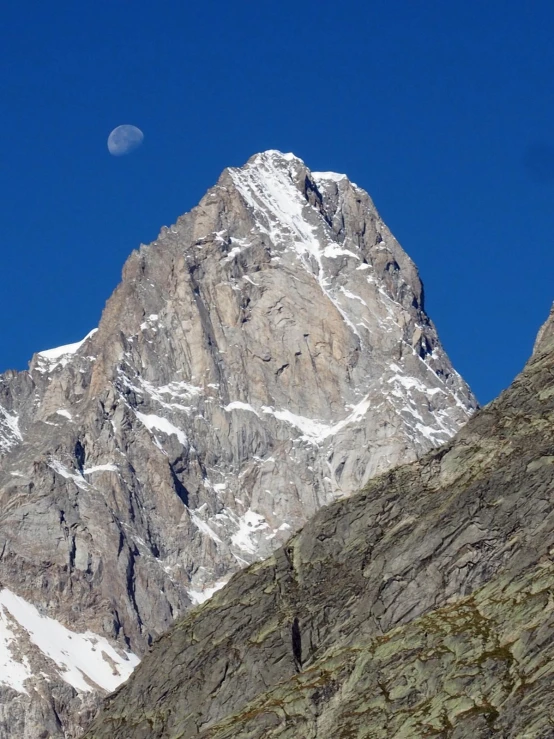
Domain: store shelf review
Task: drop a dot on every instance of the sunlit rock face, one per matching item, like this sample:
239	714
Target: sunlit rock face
268	354
421	606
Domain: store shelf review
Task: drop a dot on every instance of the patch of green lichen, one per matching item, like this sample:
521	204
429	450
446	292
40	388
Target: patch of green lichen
445	669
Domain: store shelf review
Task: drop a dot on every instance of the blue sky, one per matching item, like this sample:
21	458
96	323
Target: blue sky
444	112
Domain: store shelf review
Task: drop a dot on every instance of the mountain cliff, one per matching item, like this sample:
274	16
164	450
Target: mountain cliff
266	355
423	606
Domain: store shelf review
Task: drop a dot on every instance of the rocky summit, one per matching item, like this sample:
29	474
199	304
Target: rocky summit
421	607
267	355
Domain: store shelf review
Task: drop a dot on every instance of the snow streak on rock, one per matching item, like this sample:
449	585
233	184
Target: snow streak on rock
85	661
49	359
10	435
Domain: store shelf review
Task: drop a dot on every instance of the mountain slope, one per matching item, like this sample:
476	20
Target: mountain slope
269	353
421	606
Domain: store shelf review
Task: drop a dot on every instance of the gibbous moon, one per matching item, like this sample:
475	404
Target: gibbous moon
124	139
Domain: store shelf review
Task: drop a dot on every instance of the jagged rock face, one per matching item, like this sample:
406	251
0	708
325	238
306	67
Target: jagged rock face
267	354
419	607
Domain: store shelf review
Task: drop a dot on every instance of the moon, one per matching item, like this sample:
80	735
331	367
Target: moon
124	139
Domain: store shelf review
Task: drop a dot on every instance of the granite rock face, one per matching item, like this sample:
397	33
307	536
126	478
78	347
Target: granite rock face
268	354
422	606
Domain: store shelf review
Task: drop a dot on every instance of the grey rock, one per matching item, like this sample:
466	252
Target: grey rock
420	607
266	355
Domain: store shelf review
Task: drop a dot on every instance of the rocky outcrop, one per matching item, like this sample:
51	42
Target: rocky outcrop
420	607
268	354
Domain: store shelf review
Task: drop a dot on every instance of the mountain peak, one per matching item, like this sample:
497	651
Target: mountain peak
266	355
278	158
273	159
275	155
279	173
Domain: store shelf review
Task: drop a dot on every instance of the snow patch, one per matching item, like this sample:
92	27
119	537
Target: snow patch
333	176
204	528
237	405
10	435
332	251
351	295
157	423
13	672
412	383
201	596
62	354
152	318
316	431
249	523
83	660
100	468
241	244
276	154
432	434
164	395
62	470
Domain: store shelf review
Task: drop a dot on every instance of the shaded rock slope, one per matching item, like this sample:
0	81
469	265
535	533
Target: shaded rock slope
422	606
266	355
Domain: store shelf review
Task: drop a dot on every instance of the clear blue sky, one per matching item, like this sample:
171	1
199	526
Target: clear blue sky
443	111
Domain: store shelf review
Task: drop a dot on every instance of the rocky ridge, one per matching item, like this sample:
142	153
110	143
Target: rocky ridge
268	354
423	606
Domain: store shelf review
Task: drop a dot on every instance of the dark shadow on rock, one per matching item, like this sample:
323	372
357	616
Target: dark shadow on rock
297	644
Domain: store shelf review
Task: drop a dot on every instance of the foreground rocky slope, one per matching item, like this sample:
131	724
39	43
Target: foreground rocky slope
269	353
422	606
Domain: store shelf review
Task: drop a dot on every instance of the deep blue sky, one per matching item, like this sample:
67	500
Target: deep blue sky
443	111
